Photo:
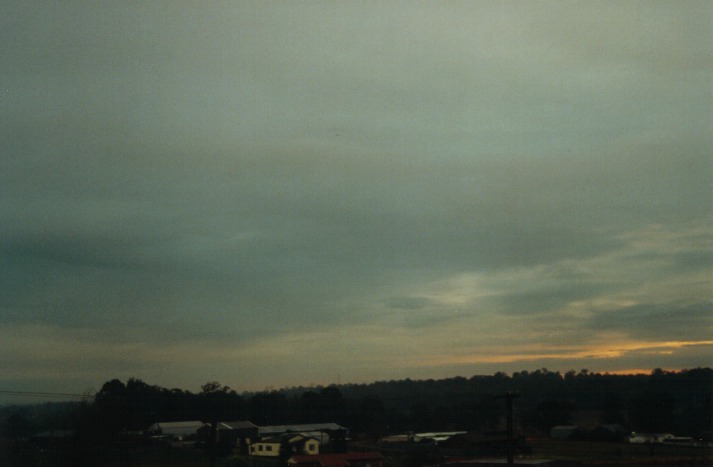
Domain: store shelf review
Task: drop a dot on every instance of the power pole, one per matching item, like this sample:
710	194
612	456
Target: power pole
212	443
509	396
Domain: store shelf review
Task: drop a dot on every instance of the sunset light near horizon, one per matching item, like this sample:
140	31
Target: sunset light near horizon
273	194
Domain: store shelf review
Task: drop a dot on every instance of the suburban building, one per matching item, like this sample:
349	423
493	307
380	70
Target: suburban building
649	438
231	434
176	430
285	445
437	437
325	433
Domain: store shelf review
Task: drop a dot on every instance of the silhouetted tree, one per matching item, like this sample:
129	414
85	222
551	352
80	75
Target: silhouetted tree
267	408
612	410
372	413
653	412
309	405
552	413
219	403
112	407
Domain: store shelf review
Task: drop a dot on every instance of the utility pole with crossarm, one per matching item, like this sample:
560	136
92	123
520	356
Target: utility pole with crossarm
509	396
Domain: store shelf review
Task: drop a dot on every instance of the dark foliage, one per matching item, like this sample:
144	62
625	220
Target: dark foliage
675	402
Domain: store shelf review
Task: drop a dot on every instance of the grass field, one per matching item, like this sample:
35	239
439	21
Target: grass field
585	453
603	454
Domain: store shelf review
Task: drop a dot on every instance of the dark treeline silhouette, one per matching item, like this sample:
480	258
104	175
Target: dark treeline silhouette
663	401
678	402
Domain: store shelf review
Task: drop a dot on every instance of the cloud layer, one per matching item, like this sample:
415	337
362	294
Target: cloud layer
300	193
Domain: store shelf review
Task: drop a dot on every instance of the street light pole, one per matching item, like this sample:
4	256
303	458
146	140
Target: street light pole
509	396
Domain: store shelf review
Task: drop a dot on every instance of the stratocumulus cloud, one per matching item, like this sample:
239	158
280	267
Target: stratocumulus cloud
283	194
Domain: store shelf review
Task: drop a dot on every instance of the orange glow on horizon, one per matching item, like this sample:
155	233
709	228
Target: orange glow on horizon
637	371
593	352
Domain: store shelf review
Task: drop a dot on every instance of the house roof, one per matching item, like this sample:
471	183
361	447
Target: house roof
437	437
297	438
189	423
182	428
240	424
229	426
219	426
333	459
300	428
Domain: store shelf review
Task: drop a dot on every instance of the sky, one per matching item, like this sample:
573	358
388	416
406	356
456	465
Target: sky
273	194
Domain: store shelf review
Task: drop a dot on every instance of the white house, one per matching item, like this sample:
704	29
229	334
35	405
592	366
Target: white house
295	444
323	432
649	438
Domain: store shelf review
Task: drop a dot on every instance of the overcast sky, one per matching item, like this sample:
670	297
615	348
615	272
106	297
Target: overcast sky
271	194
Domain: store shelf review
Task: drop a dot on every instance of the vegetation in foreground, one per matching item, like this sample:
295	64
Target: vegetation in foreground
673	402
618	453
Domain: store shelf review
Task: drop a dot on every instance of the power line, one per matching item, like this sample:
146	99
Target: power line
43	394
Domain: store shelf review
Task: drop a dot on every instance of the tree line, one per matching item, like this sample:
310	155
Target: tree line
678	402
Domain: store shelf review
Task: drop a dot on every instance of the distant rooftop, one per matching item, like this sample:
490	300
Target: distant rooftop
299	428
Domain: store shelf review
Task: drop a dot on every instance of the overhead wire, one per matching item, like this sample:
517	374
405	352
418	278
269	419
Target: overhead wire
43	394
